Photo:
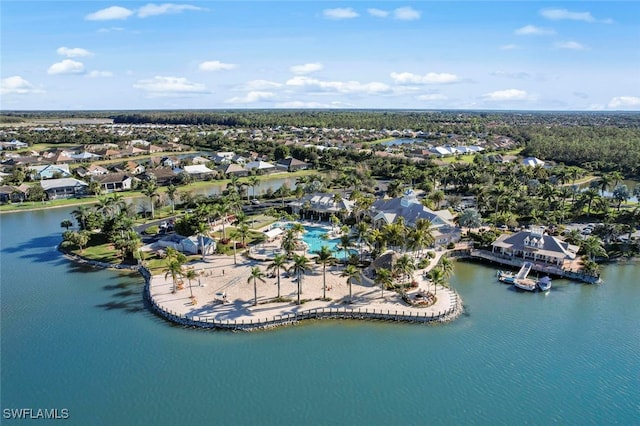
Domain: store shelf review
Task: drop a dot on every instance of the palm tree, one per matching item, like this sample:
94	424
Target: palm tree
191	275
299	267
350	272
324	257
81	214
279	261
66	224
150	189
234	235
253	182
256	274
172	191
405	265
174	268
344	244
384	278
202	232
592	247
436	275
447	267
289	242
222	210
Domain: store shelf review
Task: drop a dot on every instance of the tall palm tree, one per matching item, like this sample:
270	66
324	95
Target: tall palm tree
384	278
222	210
436	275
253	182
350	272
81	214
289	242
234	235
174	268
344	244
447	267
172	192
278	261
150	189
256	274
299	267
324	257
202	232
405	265
191	275
592	247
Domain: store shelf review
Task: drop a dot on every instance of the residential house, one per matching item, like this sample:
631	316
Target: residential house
536	246
111	182
49	171
12	194
64	188
13	145
96	170
199	160
291	164
223	157
198	171
235	169
261	167
532	162
162	175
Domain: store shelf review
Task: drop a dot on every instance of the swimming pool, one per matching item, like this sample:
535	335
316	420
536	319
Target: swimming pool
316	236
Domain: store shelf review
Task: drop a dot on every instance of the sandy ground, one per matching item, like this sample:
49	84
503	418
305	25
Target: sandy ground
219	277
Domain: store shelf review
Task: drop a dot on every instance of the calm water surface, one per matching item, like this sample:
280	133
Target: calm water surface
84	340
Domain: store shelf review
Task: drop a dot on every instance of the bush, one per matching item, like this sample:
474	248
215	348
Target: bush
451	245
423	263
151	230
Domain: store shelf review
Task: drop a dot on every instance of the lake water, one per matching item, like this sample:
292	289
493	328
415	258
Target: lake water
84	340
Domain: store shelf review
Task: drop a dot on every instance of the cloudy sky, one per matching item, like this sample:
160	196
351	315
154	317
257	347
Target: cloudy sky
311	54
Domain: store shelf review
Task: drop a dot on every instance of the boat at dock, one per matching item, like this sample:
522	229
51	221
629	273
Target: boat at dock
544	283
521	281
505	277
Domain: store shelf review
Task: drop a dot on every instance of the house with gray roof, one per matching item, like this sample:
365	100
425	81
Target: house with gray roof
323	204
64	188
534	245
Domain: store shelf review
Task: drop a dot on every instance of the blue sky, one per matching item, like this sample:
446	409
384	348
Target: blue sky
311	54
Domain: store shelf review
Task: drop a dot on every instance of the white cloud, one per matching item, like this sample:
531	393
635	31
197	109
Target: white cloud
215	66
429	78
251	97
378	13
97	74
152	9
509	47
259	85
340	13
74	52
564	14
302	104
113	12
111	29
306	68
159	86
432	97
571	45
406	14
507	95
66	66
517	75
625	102
351	87
533	30
17	85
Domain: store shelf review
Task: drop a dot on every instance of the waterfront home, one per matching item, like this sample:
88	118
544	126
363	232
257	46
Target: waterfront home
111	182
12	194
534	245
161	175
261	167
198	171
64	188
234	169
291	164
13	145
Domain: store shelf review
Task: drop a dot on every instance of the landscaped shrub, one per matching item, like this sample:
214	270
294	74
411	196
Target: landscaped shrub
151	230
